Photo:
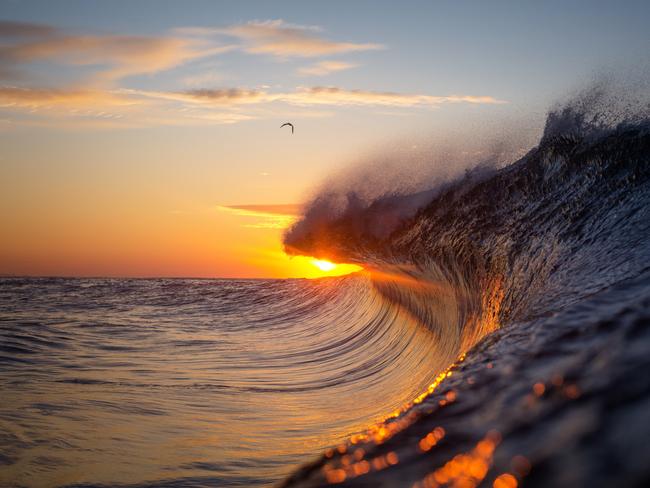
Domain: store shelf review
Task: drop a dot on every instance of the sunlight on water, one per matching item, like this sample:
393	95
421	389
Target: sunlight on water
222	381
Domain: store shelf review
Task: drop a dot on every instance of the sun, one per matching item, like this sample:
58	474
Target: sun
323	264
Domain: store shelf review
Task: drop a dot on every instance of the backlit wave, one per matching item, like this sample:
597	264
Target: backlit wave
486	263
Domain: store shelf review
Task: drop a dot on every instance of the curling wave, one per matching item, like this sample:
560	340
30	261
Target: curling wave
552	253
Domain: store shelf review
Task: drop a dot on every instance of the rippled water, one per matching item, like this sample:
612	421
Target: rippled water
193	382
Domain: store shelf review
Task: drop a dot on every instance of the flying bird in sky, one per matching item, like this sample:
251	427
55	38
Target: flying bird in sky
289	124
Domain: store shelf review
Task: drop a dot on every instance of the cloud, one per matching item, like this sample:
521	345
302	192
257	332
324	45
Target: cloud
342	97
118	55
277	38
323	68
34	98
276	209
105	108
203	106
267	216
325	96
18	30
228	96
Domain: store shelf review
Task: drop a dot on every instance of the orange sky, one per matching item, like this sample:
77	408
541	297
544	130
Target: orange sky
130	150
215	241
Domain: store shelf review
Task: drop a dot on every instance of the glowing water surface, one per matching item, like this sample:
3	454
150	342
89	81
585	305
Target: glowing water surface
195	382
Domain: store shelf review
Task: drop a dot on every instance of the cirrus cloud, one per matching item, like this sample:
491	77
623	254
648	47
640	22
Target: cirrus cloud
25	30
205	106
283	40
39	98
321	96
118	56
266	216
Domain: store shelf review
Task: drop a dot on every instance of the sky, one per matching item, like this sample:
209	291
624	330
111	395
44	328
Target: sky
142	138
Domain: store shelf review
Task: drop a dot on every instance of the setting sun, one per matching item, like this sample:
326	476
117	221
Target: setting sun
319	268
323	264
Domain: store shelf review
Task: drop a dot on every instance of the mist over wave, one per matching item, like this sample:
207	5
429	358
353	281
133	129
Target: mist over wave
376	194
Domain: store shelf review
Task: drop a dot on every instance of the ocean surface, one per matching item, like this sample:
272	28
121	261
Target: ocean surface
499	335
194	382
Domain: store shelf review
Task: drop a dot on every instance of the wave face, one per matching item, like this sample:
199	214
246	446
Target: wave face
194	382
536	275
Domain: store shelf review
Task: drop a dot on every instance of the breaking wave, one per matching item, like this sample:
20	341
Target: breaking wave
566	219
486	259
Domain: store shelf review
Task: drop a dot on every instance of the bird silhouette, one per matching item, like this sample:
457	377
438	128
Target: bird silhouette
289	124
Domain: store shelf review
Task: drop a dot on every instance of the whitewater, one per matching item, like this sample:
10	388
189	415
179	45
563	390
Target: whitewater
498	334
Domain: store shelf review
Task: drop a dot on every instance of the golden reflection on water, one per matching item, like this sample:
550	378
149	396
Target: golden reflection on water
464	470
342	468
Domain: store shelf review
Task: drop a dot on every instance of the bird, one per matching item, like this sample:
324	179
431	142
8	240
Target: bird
289	124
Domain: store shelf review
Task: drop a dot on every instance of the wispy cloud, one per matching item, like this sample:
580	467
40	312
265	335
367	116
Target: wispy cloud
96	108
275	209
34	98
221	96
118	56
106	108
283	40
323	68
340	96
322	96
266	216
205	106
25	30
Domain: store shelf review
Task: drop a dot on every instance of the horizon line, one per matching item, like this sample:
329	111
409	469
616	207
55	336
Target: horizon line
81	277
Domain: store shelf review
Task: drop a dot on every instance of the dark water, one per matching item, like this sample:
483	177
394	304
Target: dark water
499	336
